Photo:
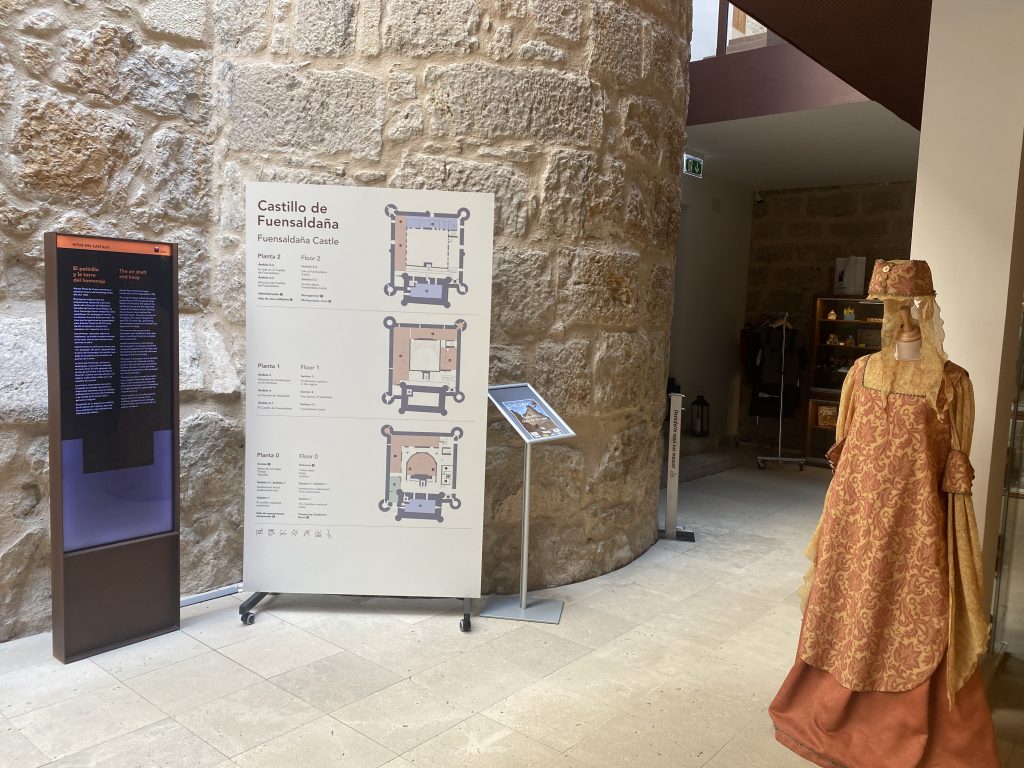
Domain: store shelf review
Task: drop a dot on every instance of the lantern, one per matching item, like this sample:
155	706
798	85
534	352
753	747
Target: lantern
700	416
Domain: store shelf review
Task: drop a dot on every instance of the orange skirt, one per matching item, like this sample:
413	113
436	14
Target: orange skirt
835	727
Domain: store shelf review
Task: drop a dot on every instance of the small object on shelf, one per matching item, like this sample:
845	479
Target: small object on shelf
833	339
850	341
849	313
831	315
828	415
875	320
869	337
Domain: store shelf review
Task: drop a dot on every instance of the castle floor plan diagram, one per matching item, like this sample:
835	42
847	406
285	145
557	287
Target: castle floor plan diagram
422	473
424	366
428	252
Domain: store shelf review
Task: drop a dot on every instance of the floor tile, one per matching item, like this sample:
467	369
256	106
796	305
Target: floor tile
588	626
297	608
177	687
223	627
331	683
481	743
210	606
755	744
485	675
631	601
552	715
278	652
86	720
413	609
48	682
165	743
680	730
247	718
16	751
608	678
402	716
139	658
323	743
26	652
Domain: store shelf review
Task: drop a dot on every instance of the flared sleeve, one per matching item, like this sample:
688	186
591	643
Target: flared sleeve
968	623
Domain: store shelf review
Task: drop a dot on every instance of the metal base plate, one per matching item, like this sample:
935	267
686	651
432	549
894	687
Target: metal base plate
507	607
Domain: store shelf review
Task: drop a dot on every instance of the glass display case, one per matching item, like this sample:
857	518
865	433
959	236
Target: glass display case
1008	630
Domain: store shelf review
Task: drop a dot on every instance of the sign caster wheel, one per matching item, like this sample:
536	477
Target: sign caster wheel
248	617
465	625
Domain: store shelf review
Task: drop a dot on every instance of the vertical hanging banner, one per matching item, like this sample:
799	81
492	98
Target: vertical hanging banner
368	337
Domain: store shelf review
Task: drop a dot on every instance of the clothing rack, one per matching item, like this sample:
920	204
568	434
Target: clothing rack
762	461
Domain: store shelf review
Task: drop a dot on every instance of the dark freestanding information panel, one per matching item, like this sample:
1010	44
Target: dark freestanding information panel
112	358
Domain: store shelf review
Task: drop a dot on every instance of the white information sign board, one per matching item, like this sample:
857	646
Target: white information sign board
368	333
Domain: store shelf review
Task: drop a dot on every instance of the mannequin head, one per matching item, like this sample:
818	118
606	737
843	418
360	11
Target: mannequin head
911	318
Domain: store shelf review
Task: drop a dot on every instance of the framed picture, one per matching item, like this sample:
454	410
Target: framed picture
828	415
869	337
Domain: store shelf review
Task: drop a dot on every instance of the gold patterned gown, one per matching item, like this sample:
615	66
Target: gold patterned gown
886	670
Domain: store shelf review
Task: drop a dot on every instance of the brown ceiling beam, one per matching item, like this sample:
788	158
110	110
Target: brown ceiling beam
879	47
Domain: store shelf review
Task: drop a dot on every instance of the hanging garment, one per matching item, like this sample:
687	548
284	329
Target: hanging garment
886	671
773	366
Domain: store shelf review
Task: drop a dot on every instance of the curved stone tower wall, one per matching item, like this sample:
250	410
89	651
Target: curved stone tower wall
147	118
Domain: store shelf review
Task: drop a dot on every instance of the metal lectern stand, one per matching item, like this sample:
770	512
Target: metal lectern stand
538	423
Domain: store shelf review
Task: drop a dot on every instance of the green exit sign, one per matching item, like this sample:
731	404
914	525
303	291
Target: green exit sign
693	166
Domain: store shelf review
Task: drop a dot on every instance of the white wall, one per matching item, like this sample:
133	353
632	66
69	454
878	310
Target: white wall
967	211
711	293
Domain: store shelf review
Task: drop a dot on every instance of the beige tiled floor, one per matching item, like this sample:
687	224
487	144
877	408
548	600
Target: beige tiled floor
670	661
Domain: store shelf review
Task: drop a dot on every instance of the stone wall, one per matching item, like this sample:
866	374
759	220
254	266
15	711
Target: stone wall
146	118
797	236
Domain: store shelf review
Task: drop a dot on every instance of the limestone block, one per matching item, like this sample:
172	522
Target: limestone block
6	78
631	453
566	182
659	295
598	287
324	27
558	17
92	61
521	293
64	148
538	50
228	286
193	269
537	104
642	125
406	121
212	494
240	26
606	198
401	86
204	362
23	393
670	54
513	9
180	172
425	27
628	371
168	82
884	198
368	28
38	57
25	598
507	365
500	47
42	22
523	154
842	202
285	108
619	43
184	18
281	27
17	219
563	374
513	202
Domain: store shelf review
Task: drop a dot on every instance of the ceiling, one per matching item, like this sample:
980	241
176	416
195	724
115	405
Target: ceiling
858	143
880	47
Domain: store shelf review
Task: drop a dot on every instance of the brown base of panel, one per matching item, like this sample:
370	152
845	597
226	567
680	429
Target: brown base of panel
116	595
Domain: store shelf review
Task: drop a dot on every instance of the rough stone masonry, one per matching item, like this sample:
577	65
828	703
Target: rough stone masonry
145	118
